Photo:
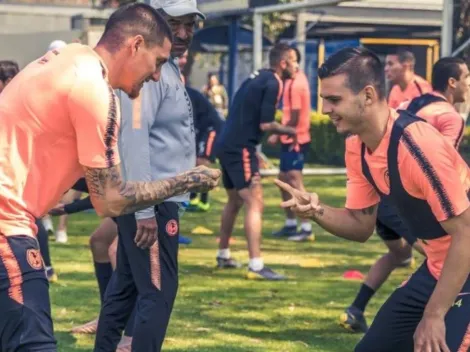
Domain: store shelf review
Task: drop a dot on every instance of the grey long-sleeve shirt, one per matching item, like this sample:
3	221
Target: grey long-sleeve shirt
157	138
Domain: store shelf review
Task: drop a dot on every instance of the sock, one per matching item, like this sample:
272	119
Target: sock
130	324
223	253
291	222
204	198
256	264
363	297
192	195
103	272
306	226
43	240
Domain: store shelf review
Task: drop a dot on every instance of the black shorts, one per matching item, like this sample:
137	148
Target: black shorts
395	323
238	168
25	312
389	225
293	158
205	145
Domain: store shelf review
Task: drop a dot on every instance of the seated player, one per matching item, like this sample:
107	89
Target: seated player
250	116
450	86
398	156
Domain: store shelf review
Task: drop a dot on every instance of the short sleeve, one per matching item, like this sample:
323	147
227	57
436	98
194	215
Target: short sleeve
451	125
434	171
270	99
297	93
94	112
360	193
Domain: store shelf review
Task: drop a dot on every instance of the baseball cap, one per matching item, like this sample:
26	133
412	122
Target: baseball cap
177	8
57	44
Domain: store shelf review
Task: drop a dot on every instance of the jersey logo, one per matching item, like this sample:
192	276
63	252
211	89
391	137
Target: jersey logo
34	258
172	227
387	178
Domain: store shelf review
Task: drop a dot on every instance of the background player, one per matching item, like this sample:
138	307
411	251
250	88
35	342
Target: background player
250	115
400	71
296	113
427	181
450	85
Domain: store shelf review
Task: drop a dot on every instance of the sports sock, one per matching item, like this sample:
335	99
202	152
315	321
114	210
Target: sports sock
306	226
291	222
223	253
204	198
363	297
103	272
256	264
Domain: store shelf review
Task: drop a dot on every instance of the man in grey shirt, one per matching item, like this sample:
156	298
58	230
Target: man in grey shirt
157	141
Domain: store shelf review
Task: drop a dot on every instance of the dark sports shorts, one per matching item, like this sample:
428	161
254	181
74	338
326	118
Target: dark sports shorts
25	312
395	323
293	159
389	225
238	168
205	145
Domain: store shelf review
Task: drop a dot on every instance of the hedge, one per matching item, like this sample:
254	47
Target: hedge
327	146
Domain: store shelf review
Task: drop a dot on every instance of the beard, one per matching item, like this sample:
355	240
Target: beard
286	75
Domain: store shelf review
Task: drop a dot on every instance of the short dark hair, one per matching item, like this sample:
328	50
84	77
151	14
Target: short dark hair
445	68
134	19
297	53
361	66
278	52
8	70
406	56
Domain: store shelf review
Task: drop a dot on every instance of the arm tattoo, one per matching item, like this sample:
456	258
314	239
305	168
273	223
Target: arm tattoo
277	128
132	196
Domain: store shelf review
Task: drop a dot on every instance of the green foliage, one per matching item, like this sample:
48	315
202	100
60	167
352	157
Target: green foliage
327	146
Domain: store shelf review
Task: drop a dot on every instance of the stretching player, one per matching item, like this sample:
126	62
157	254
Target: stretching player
400	71
250	115
296	113
67	97
450	85
425	178
157	141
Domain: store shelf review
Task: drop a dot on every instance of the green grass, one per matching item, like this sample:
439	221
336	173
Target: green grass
221	311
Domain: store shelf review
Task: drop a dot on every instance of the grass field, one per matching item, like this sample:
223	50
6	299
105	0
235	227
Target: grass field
221	311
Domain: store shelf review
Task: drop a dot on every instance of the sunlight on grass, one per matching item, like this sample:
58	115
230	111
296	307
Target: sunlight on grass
221	311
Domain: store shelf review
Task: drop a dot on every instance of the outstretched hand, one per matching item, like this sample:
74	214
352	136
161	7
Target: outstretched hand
303	204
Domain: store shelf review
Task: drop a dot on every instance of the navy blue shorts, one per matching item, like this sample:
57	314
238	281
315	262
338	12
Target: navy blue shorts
238	168
205	145
395	323
389	225
25	311
293	159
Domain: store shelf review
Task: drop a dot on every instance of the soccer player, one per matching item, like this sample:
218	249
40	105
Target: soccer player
397	156
250	115
296	113
450	86
400	71
62	107
157	141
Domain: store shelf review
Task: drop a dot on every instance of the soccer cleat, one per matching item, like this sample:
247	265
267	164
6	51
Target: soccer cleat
264	274
51	275
204	206
88	328
229	263
286	231
353	320
302	236
184	240
61	236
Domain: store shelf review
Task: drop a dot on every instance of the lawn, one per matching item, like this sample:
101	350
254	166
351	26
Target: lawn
221	311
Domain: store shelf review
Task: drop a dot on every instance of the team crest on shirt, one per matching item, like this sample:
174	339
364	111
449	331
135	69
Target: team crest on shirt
387	178
172	227
33	256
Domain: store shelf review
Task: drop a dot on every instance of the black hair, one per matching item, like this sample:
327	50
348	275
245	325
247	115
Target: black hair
134	19
443	70
361	66
8	70
278	52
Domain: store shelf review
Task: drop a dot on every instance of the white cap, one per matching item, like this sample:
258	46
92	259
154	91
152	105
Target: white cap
177	8
57	44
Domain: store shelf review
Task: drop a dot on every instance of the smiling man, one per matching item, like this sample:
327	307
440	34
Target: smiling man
157	141
399	157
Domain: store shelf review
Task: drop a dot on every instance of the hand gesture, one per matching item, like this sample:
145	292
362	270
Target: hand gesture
147	232
303	204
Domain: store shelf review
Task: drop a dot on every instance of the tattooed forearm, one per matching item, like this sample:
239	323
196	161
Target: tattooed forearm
112	196
277	128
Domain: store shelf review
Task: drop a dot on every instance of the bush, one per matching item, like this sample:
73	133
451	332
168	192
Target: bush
465	145
327	146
